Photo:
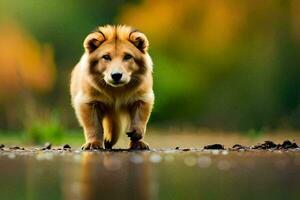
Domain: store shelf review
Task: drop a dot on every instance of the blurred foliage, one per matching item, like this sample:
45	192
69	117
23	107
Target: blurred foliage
27	64
39	131
227	64
218	64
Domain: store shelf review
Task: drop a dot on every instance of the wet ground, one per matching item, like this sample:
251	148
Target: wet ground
262	171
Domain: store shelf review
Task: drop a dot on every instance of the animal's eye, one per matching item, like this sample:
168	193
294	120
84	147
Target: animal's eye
106	57
127	56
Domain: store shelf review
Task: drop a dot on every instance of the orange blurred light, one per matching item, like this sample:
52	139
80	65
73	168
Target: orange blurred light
25	63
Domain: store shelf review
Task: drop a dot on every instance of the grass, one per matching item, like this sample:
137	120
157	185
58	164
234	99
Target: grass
74	138
44	129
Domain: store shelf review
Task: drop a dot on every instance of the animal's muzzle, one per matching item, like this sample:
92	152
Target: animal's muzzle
116	77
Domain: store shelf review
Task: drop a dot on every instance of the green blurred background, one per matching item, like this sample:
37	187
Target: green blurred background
225	65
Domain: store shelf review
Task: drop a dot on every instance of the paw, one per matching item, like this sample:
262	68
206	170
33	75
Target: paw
138	145
134	135
107	144
92	145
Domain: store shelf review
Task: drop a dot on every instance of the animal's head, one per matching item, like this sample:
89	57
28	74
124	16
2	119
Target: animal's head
117	55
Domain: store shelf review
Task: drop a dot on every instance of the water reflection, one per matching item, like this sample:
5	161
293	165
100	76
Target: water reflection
151	175
109	176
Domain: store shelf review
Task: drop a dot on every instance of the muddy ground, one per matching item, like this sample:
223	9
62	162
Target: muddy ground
268	145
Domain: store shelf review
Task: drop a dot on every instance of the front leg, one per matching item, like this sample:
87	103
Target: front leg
88	115
139	114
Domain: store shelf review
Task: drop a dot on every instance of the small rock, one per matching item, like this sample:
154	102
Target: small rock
47	146
186	149
2	146
238	147
288	145
266	145
14	148
66	146
214	146
177	148
269	144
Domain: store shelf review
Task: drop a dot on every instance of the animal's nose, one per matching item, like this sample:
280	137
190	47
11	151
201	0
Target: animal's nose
116	76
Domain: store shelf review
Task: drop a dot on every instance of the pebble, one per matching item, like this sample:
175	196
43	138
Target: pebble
14	147
238	147
47	146
66	146
214	146
186	149
289	145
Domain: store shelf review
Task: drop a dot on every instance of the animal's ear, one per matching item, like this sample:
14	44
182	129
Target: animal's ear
139	40
93	41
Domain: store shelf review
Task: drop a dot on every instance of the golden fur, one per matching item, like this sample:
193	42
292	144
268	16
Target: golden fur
106	108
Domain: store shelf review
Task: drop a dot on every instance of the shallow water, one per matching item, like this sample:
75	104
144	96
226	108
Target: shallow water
167	174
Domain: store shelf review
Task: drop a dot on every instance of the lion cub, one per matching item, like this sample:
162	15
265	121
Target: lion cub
111	87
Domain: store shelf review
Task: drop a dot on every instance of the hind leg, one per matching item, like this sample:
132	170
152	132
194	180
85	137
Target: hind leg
139	114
